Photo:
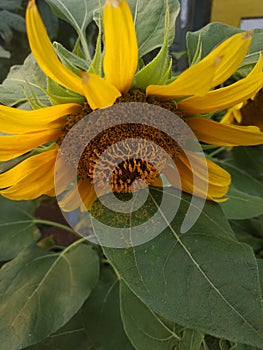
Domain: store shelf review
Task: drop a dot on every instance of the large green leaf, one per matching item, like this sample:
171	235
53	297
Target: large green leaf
10	21
26	78
250	159
41	291
101	315
245	194
17	229
242	205
79	13
149	18
97	325
67	337
203	279
146	329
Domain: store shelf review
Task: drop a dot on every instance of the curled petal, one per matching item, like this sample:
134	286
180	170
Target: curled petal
219	134
213	181
228	96
212	70
31	178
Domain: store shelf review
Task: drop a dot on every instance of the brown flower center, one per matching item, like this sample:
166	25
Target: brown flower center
133	151
252	112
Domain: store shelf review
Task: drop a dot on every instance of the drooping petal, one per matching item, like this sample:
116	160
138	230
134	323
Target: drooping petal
213	181
98	92
44	53
219	134
228	96
212	70
14	146
31	178
121	50
17	121
82	195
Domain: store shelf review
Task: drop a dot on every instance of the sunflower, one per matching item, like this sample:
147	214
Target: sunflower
37	134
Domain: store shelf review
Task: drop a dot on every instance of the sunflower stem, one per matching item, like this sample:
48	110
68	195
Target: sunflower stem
84	46
218	150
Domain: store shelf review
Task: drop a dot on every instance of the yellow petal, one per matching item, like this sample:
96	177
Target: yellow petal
14	146
227	96
64	174
121	50
233	114
44	53
17	121
219	134
210	71
82	195
31	178
213	181
98	92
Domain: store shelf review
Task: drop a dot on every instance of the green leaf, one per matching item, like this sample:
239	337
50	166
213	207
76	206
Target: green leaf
245	194
67	337
149	18
8	23
70	60
158	70
202	279
17	229
41	291
101	315
242	205
59	95
146	329
250	159
249	231
79	14
11	5
27	77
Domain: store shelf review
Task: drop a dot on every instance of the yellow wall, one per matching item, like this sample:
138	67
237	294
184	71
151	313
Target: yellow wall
231	11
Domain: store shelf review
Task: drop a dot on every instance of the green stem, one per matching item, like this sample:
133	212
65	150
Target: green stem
84	46
218	150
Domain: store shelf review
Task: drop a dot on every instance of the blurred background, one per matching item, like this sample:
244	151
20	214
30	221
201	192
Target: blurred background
194	15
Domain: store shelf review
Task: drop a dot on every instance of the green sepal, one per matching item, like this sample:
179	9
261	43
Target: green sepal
96	64
70	60
158	70
59	95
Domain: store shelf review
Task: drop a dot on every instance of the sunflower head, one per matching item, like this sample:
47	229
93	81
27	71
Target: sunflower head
141	152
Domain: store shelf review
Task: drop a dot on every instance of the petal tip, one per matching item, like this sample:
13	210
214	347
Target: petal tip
113	3
31	4
247	35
